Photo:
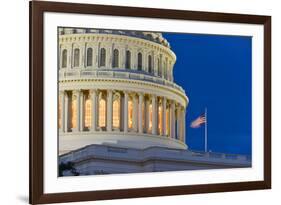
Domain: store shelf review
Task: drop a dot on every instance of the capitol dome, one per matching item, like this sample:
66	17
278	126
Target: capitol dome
117	88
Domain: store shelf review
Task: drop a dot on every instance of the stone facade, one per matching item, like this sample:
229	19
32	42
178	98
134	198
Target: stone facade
118	86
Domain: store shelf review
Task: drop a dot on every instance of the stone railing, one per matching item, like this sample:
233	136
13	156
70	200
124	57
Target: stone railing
155	152
116	73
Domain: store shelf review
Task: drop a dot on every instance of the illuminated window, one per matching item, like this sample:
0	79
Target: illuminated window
150	118
167	122
102	112
76	57
149	64
115	63
128	59
160	119
88	113
130	113
73	113
89	57
64	58
102	57
139	61
116	112
60	114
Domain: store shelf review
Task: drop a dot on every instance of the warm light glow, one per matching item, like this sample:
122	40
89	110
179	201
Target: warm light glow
160	119
167	122
88	115
60	114
143	114
150	118
73	113
102	112
116	113
130	113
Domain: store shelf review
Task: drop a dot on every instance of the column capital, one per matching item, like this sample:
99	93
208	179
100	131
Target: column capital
93	91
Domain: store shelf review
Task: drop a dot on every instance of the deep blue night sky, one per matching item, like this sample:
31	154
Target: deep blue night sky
215	72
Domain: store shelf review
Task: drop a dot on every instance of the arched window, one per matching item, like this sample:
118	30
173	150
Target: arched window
74	112
160	118
159	67
88	113
102	57
139	61
115	63
165	70
128	60
76	57
149	64
64	58
102	112
89	57
130	113
116	112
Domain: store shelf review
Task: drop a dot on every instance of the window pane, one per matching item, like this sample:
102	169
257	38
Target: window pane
76	57
115	62
102	112
116	113
128	59
102	57
64	58
89	57
139	61
88	111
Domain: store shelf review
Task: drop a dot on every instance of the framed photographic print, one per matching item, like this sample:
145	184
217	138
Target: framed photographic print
135	102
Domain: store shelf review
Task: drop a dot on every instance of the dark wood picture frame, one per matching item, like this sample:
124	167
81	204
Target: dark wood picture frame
37	9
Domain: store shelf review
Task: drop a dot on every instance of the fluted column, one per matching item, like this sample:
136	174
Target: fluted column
154	115
164	103
178	118
62	110
183	125
94	110
140	113
135	113
82	114
146	108
76	95
66	112
172	120
109	111
125	111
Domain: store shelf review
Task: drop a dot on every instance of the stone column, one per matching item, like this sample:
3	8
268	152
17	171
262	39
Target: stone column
164	103
183	125
62	109
66	113
76	95
135	113
147	103
125	111
82	113
140	113
172	120
94	115
178	118
109	111
154	115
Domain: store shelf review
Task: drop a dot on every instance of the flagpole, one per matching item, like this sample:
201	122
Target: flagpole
206	131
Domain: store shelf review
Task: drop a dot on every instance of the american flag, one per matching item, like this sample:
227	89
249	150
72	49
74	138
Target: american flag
198	121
